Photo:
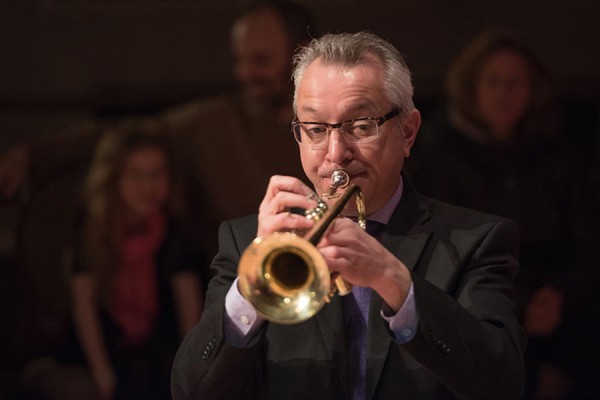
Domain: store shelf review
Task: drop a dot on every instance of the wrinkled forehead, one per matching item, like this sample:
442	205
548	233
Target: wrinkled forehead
318	76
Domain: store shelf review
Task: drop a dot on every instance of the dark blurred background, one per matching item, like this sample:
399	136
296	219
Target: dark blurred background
63	60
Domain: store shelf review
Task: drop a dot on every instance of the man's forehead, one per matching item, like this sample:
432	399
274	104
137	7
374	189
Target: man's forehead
353	106
354	94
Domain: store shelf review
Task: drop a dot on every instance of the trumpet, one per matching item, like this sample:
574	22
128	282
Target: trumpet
283	275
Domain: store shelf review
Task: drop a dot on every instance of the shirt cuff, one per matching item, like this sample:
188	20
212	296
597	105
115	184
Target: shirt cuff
405	322
241	320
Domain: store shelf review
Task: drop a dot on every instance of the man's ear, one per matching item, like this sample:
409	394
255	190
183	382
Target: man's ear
410	128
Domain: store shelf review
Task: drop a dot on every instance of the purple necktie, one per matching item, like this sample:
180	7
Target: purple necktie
356	316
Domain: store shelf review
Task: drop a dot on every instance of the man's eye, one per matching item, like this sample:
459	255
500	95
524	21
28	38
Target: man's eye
315	130
361	128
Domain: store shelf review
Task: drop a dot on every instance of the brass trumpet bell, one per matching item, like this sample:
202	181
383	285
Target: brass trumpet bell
284	275
285	278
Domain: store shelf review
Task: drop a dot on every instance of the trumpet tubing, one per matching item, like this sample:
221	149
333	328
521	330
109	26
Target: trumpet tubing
284	275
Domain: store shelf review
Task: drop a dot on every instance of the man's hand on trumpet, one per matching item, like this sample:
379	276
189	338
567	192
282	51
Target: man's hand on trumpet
283	194
361	260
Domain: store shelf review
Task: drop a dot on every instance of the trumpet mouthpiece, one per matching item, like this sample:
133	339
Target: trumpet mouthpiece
340	178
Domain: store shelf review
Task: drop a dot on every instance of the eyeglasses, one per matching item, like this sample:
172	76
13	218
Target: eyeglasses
359	130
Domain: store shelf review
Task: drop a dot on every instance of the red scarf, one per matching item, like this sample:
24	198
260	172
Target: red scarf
135	299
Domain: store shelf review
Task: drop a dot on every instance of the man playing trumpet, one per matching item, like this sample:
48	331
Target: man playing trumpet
431	314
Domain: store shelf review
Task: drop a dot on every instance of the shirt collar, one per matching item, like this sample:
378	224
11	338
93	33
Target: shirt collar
384	214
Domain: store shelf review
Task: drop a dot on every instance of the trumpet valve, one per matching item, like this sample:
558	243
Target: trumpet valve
317	212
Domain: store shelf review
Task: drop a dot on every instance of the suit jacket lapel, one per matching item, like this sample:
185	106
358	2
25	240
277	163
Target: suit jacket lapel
405	236
407	232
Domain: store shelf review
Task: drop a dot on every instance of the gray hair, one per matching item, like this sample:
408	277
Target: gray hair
352	49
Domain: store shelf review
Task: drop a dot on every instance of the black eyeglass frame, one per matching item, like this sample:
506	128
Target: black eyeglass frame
378	120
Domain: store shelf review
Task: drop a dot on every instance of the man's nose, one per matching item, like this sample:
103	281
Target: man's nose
338	149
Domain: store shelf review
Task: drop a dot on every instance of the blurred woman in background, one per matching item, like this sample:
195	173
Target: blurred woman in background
498	146
136	286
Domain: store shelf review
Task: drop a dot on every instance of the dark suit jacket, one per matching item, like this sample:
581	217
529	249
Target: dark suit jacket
468	344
